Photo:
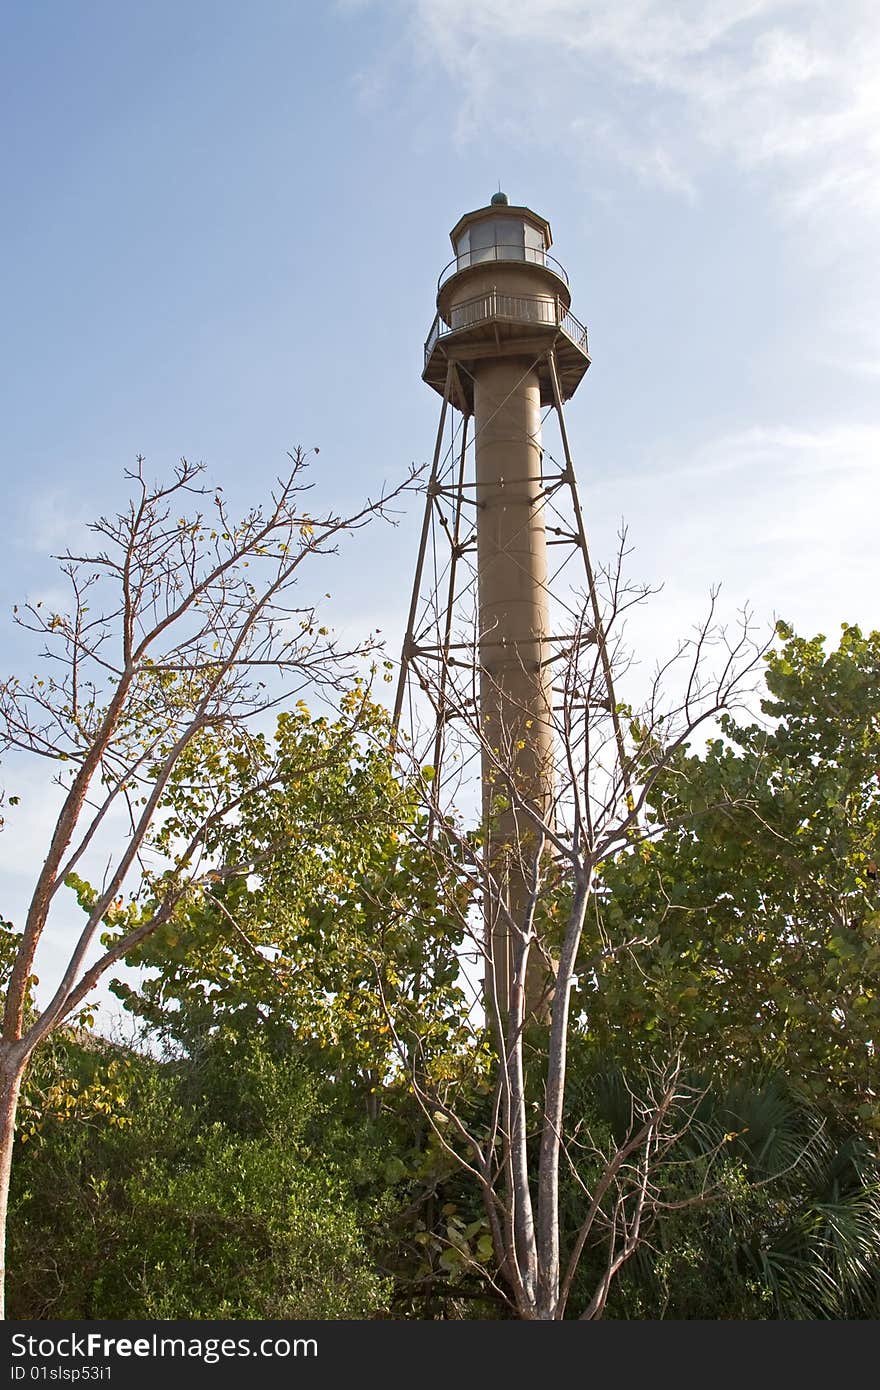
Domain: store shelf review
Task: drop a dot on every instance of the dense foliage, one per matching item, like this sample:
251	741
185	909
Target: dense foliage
265	1157
219	1187
761	906
771	1210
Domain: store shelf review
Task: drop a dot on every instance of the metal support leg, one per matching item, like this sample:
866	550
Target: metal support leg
591	585
420	562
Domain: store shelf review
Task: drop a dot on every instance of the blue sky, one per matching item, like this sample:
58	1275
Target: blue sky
223	226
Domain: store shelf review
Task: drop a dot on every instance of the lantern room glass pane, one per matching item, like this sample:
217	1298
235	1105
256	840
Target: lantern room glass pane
509	239
483	239
534	244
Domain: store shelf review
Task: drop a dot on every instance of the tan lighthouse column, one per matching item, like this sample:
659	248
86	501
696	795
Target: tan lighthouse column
515	691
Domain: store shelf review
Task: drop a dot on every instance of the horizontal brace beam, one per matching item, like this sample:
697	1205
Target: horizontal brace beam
587	635
604	705
453	494
555	480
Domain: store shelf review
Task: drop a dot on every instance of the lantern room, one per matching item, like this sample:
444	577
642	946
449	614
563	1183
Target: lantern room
500	233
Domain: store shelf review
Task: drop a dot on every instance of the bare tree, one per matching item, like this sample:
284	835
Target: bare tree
603	807
182	629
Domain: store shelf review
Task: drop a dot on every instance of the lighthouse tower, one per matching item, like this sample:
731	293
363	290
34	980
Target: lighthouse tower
504	348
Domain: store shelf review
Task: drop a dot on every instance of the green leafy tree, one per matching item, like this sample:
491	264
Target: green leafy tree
759	903
347	919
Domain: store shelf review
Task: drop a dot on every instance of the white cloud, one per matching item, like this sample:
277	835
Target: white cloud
781	95
785	518
785	85
53	520
858	366
782	519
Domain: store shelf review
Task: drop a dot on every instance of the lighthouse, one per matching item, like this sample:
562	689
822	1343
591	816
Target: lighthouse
504	349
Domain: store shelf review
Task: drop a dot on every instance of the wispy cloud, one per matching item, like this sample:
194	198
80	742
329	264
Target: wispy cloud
787	83
785	518
784	94
782	519
52	520
834	450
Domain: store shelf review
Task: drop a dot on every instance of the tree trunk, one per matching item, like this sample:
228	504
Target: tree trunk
12	1069
554	1103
